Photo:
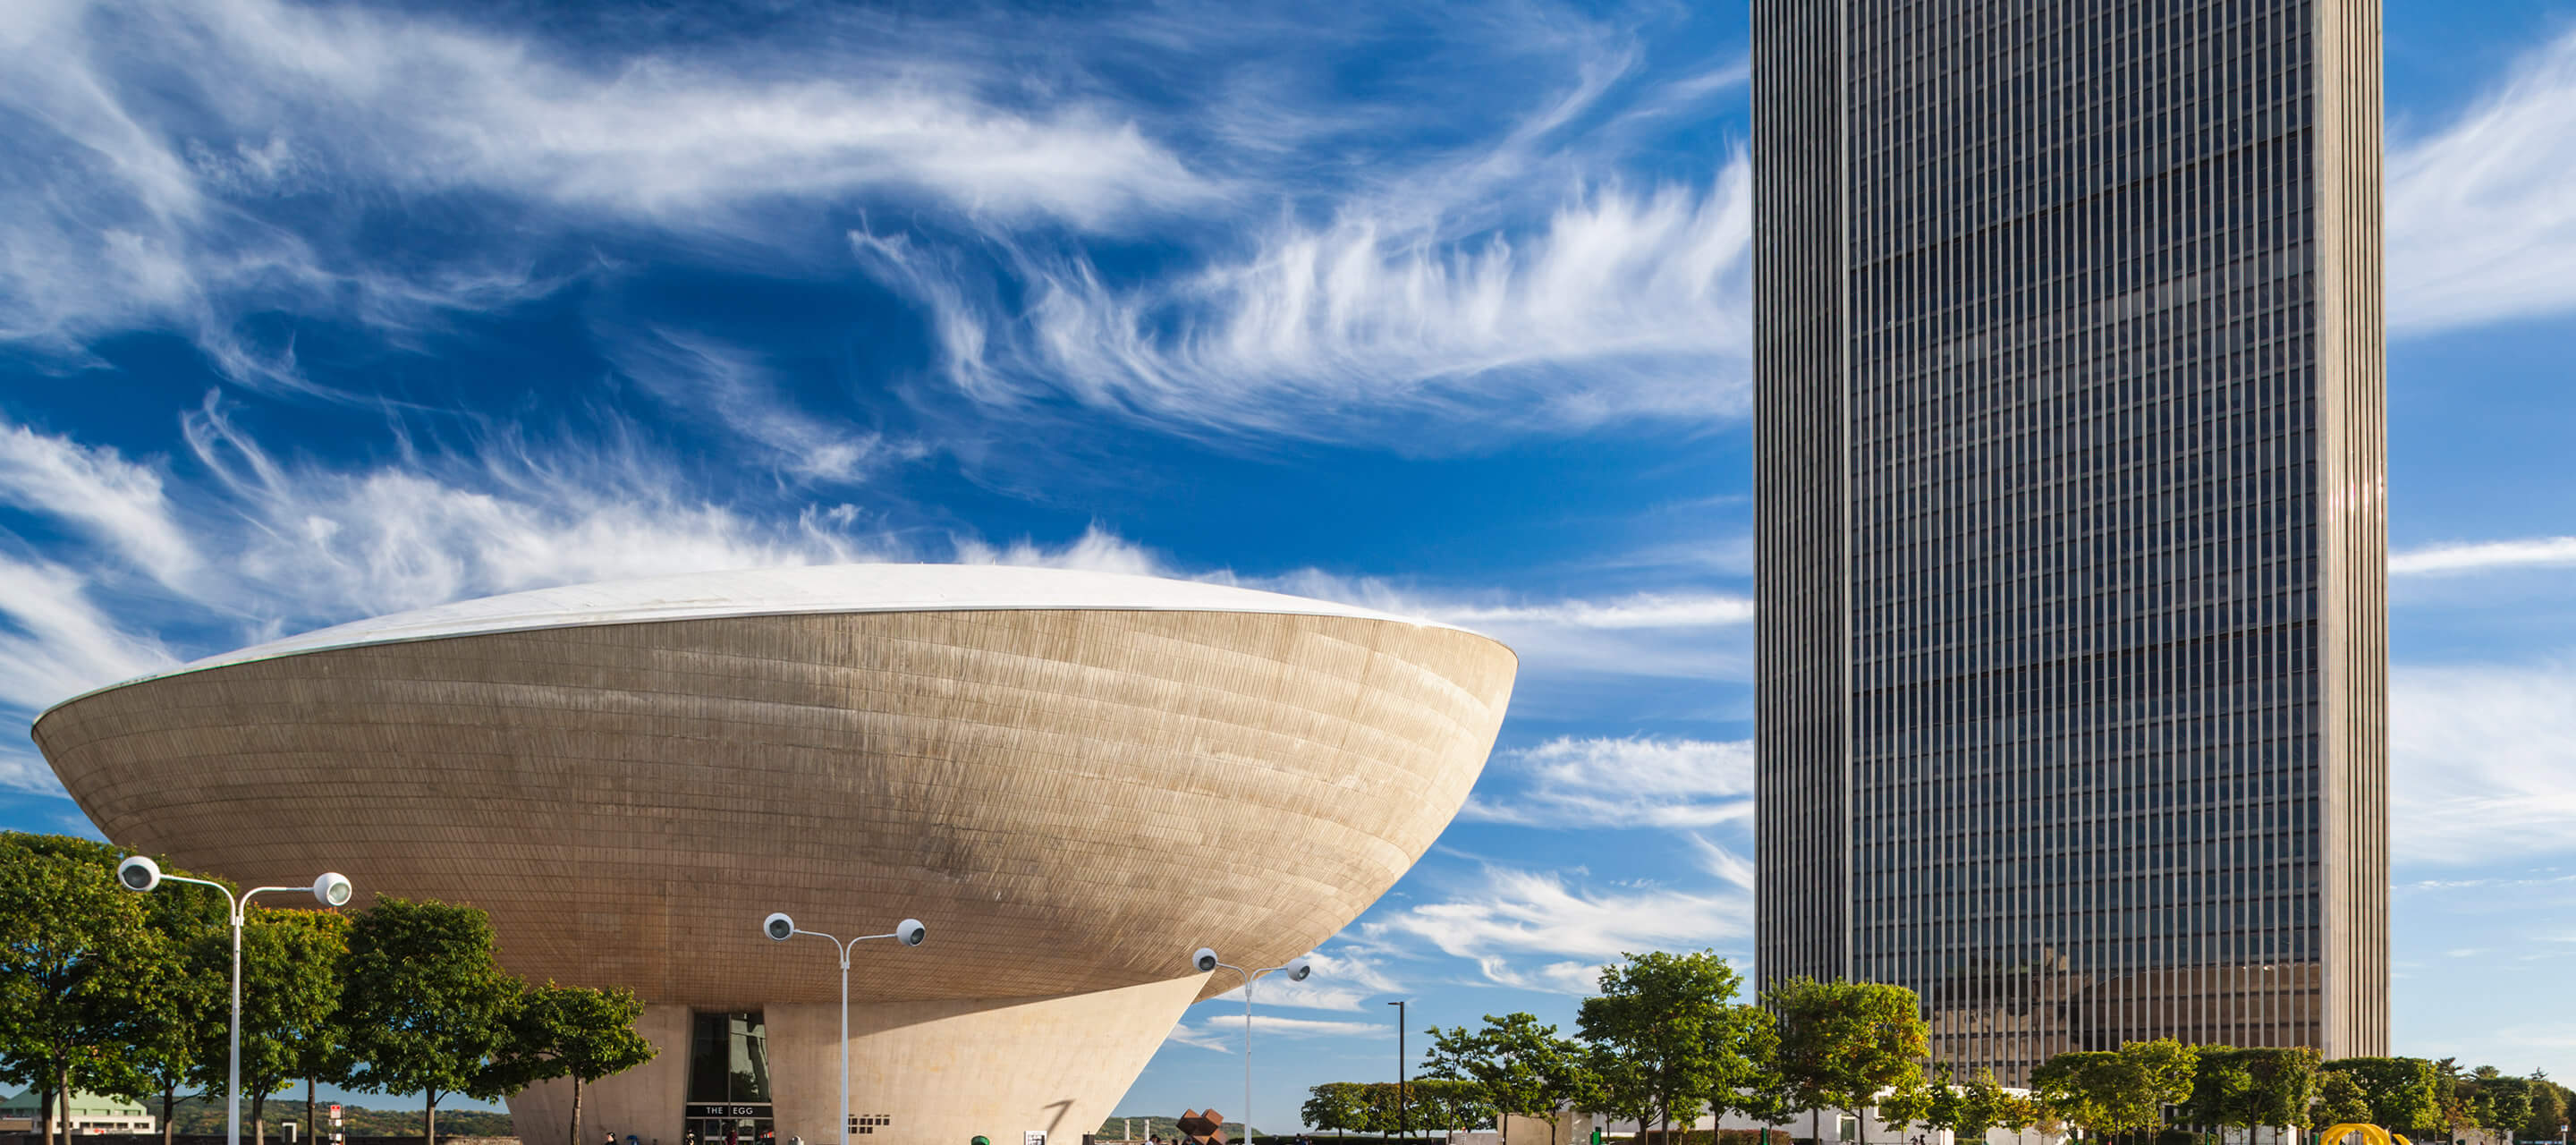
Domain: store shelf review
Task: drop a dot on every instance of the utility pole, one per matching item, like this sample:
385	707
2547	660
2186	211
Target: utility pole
1403	1127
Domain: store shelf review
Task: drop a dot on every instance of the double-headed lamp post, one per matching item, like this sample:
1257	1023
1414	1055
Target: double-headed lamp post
1206	962
780	928
142	874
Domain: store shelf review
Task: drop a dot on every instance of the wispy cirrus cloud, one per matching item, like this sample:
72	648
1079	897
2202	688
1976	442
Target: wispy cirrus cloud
2484	556
731	387
1343	979
1544	930
252	544
1620	303
1679	633
1580	783
2483	761
181	165
1224	1034
2481	214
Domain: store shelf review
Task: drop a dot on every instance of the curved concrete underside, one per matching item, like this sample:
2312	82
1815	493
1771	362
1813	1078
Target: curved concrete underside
945	1071
1070	799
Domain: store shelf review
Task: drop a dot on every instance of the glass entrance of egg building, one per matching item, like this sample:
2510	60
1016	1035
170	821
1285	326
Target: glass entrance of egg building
728	1102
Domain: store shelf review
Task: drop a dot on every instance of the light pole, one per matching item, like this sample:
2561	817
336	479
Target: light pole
1403	1126
1205	960
142	874
780	928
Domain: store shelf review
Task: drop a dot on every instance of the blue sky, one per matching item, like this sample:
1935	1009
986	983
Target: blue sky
308	314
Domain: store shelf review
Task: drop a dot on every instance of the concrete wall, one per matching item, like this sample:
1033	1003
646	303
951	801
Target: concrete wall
944	1071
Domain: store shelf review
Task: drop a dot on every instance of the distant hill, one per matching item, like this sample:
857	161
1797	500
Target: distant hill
197	1115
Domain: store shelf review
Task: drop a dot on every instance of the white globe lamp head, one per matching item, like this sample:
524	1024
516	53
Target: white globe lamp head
333	889
1205	960
138	874
910	932
778	926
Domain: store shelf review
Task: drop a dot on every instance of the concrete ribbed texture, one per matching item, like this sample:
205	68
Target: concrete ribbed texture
1072	800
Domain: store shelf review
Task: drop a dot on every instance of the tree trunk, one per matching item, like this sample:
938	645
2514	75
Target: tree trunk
309	1138
259	1117
575	1139
45	1105
169	1105
429	1117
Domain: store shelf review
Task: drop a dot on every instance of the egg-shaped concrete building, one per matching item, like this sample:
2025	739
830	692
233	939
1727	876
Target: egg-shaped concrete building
1072	778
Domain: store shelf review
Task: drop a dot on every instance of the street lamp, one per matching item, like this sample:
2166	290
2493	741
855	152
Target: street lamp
1205	960
1404	1127
780	928
142	874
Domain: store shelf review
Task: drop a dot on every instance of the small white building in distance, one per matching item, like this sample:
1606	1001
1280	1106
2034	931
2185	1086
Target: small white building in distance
85	1113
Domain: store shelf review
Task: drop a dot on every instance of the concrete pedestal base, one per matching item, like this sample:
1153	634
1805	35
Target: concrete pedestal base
939	1072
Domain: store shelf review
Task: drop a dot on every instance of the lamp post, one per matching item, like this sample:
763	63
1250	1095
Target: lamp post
142	874
780	928
1206	962
1403	1126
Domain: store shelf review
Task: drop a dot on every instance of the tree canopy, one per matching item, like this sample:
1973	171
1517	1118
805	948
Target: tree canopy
2402	1093
1669	1040
2123	1091
575	1032
1841	1043
1523	1068
77	966
428	1008
2246	1088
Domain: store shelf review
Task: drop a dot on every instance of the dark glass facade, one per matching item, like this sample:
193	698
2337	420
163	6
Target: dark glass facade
2071	477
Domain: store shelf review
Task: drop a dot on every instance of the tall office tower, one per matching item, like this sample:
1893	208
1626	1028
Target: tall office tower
2071	474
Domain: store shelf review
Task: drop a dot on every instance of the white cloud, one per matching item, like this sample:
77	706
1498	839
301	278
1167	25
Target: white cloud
2481	213
2537	552
1343	980
319	543
117	501
1619	304
733	388
62	644
1225	1034
130	212
1097	550
2482	762
1531	929
1677	633
1590	783
27	772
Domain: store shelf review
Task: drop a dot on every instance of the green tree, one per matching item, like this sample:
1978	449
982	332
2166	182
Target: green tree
2549	1104
426	1005
1668	1038
1525	1069
291	996
1842	1043
2404	1093
2250	1088
1340	1106
572	1031
1448	1103
2340	1101
2499	1101
1969	1109
2106	1092
1909	1103
180	1024
76	965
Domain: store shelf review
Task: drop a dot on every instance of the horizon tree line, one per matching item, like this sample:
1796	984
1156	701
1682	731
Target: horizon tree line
1667	1041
